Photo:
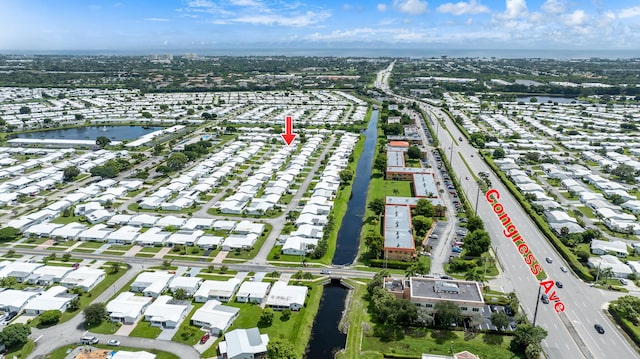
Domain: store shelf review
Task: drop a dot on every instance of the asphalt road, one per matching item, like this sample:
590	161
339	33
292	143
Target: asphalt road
584	304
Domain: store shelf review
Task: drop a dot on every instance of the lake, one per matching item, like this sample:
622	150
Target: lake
117	133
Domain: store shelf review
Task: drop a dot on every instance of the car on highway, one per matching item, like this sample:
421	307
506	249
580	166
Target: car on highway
549	260
544	298
559	284
113	343
564	269
325	271
599	328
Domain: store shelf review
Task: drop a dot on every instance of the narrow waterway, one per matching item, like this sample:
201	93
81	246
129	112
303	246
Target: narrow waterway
326	339
349	233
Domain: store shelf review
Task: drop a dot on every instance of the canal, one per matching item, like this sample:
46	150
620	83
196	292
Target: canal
326	339
349	234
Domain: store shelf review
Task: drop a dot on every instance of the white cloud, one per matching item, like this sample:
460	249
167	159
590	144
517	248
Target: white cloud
462	8
576	18
515	9
554	6
629	12
248	3
469	21
408	36
306	19
156	19
411	7
382	7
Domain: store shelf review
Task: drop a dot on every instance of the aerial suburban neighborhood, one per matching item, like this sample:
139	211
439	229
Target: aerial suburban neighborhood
347	207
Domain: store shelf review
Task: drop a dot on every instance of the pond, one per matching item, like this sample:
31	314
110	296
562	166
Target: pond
117	133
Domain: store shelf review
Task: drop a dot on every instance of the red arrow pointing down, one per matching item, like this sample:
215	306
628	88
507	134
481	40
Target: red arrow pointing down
288	136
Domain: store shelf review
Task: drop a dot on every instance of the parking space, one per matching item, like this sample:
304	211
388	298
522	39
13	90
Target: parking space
488	310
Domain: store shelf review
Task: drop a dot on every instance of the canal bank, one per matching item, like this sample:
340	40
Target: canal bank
348	239
326	336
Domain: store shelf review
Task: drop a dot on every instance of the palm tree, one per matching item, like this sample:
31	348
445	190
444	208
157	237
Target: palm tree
411	270
474	275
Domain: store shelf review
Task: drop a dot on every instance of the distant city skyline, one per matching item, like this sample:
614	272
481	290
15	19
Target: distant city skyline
210	25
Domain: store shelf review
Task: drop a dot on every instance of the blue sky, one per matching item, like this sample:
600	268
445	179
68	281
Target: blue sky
45	25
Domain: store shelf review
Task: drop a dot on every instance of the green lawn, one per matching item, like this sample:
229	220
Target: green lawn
145	330
187	333
94	245
151	249
106	327
22	352
357	317
442	342
67	220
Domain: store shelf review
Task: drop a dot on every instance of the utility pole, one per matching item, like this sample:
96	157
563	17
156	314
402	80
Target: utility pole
598	274
477	198
535	314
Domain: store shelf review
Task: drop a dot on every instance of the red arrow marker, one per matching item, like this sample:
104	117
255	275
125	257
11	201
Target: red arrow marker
288	136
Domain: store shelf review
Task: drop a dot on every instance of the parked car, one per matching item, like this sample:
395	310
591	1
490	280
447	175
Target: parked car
75	266
623	281
456	249
113	342
205	338
599	328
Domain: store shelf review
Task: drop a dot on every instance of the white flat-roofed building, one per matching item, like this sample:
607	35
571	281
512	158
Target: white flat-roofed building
68	232
143	220
97	233
214	317
189	284
283	296
184	237
427	292
47	275
253	292
244	344
603	247
298	246
153	237
12	300
124	235
165	312
218	290
199	223
242	241
83	277
619	269
209	242
127	307
19	270
246	227
172	221
224	225
151	284
42	229
119	220
55	298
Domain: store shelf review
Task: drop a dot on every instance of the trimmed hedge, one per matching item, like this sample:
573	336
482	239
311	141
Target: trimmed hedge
390	264
577	267
626	325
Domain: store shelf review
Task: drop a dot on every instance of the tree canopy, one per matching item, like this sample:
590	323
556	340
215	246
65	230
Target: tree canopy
94	314
414	152
102	141
377	206
477	242
70	173
8	234
281	348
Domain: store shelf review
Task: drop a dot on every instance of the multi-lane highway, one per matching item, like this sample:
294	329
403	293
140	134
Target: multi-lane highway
571	334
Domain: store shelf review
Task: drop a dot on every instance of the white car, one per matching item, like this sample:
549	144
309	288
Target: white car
325	271
564	269
113	342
